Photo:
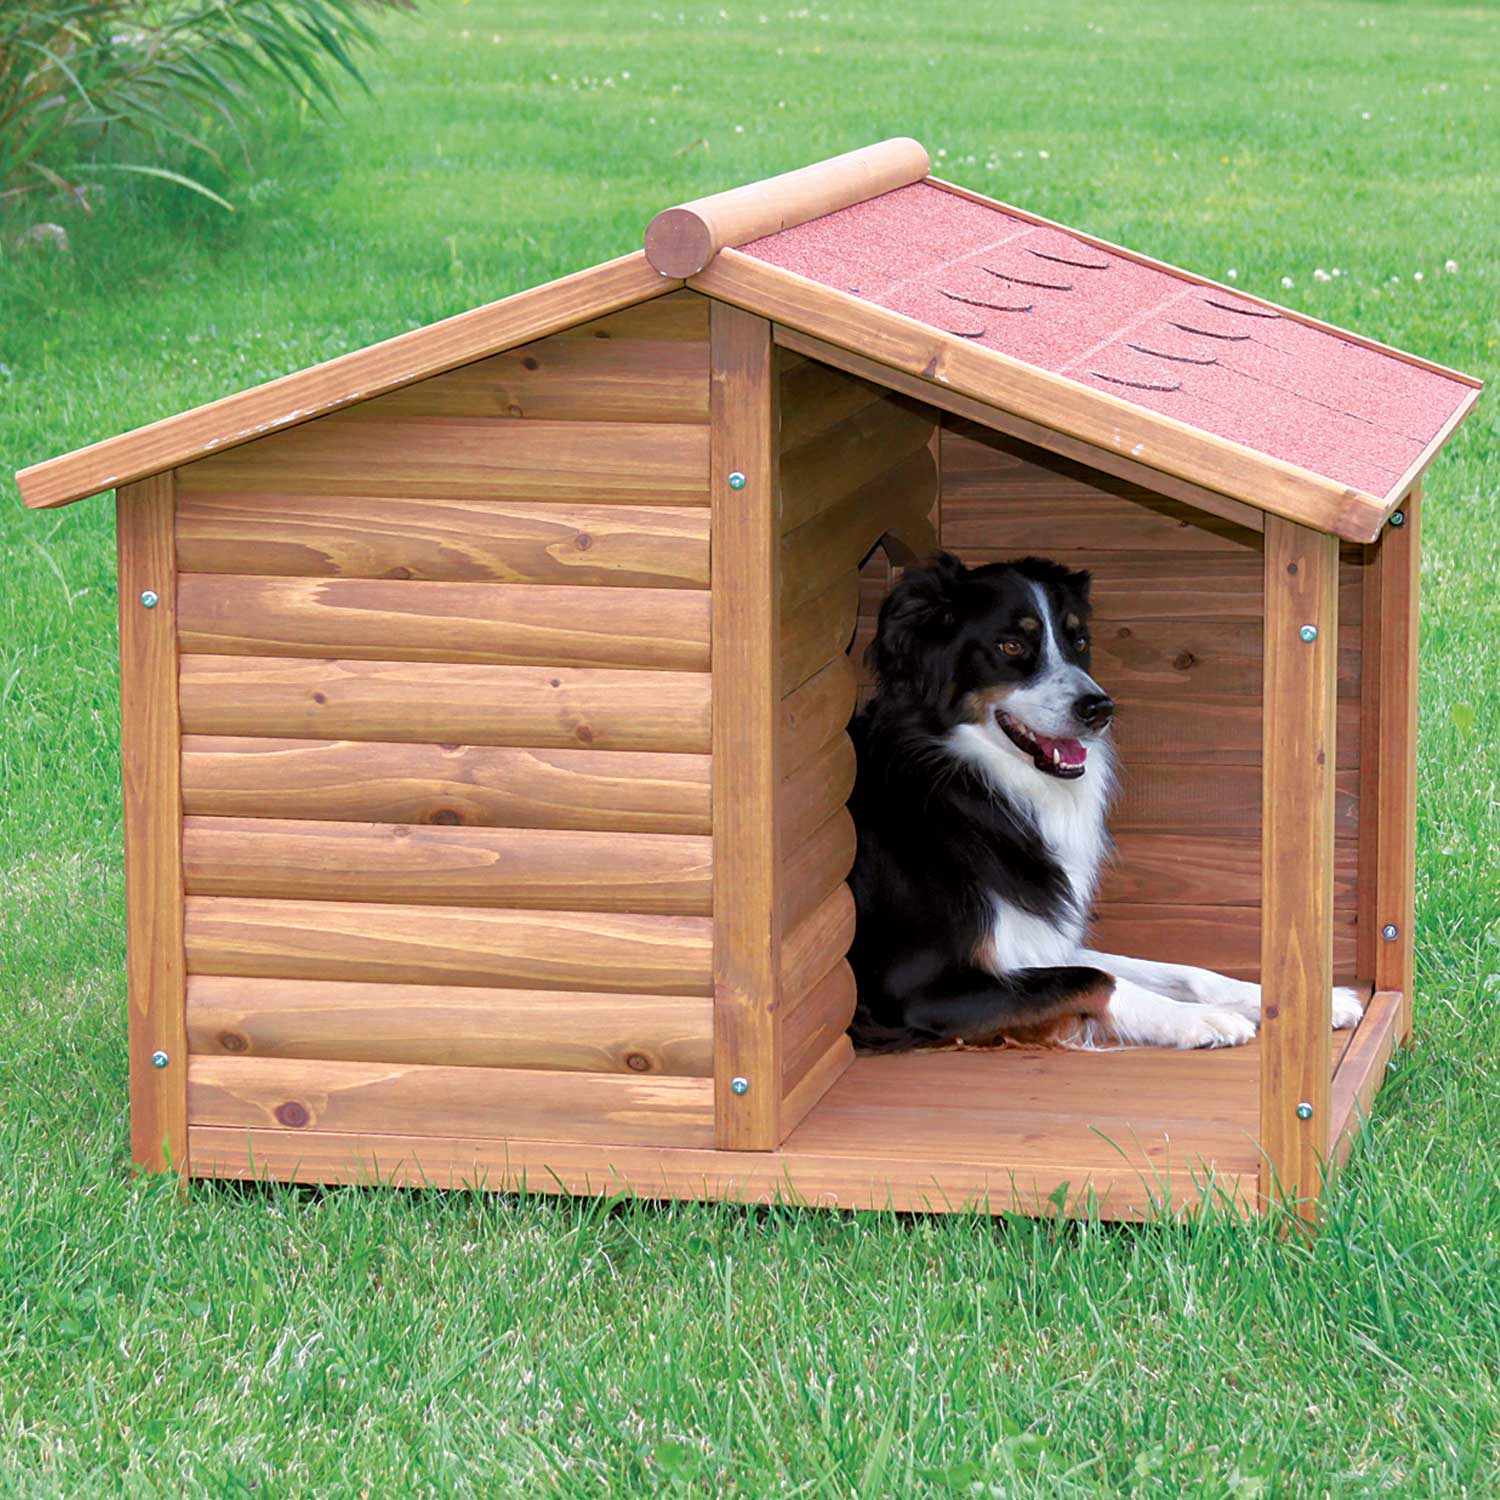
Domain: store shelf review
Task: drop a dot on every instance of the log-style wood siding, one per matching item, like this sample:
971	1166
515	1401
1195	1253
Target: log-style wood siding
446	701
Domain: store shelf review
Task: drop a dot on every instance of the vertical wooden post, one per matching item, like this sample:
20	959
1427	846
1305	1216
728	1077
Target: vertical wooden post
1301	577
1388	757
743	557
151	761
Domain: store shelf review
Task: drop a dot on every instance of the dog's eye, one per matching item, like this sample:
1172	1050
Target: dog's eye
1012	648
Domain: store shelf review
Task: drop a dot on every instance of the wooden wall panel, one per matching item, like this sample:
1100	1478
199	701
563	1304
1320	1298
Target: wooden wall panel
856	464
477	786
454	541
547	868
446	703
406	620
273	1092
450	1025
1178	642
445	681
344	940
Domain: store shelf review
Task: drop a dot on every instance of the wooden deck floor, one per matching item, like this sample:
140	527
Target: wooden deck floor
1122	1132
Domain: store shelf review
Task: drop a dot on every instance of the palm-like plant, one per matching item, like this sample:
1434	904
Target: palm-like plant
158	72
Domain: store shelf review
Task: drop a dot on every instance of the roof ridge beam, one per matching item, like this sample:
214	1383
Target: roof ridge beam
681	241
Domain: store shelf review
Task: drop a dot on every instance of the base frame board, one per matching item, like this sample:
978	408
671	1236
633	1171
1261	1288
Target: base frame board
939	1132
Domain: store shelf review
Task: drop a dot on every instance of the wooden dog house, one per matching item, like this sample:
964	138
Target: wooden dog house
484	696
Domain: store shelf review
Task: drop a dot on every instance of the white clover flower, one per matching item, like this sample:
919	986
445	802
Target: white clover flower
1416	276
1337	272
739	130
1321	275
1287	282
1365	114
1450	266
1232	274
1044	154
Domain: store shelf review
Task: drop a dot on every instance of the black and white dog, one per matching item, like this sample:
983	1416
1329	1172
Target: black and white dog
985	774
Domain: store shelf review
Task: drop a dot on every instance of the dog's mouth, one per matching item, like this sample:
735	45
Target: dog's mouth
1065	759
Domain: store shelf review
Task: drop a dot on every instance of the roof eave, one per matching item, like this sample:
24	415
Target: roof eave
1159	443
350	378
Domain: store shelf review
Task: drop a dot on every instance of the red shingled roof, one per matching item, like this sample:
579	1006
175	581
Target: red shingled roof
1153	336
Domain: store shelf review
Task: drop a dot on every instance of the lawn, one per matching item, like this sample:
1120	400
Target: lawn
287	1342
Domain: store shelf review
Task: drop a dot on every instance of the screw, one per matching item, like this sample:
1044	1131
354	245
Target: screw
1390	932
736	480
739	1085
149	598
1304	1111
1309	633
159	1059
1398	518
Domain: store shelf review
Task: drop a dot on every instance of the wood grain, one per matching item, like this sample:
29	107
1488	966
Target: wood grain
814	1083
408	620
446	703
816	712
747	750
339	382
815	791
553	869
458	541
648	363
152	816
1298	955
1196	869
816	1022
417	1098
1224	938
457	458
817	943
1361	1071
945	360
815	397
450	1026
1391	812
811	869
449	945
830	466
447	785
818	553
812	635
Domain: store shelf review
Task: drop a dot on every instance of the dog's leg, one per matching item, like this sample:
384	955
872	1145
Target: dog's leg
1071	1005
1196	986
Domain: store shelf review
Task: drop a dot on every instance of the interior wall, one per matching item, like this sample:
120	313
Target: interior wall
1179	611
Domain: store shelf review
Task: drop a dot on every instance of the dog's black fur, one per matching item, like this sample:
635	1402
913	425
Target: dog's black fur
937	842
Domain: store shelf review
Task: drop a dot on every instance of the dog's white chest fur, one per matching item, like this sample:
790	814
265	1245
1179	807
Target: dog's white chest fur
1069	817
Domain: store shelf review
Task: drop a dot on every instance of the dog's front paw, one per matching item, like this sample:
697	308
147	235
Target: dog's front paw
1348	1009
1212	1027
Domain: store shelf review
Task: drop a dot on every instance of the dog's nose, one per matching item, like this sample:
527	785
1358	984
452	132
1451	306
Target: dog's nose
1095	710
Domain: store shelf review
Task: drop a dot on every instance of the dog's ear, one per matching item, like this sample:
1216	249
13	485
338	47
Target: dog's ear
1080	582
917	623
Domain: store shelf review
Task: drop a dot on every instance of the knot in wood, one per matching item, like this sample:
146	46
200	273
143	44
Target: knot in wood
232	1041
1184	660
638	1062
292	1114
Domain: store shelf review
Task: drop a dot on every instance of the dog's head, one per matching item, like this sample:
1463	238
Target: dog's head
1004	648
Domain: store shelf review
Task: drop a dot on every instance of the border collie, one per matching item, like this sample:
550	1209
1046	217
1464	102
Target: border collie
985	774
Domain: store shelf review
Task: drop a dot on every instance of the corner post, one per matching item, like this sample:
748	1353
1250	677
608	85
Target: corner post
151	773
1297	811
1388	800
746	607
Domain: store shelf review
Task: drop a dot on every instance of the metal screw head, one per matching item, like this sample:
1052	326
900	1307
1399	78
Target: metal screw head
1304	1111
1309	633
1398	518
159	1059
736	480
1390	932
149	598
739	1085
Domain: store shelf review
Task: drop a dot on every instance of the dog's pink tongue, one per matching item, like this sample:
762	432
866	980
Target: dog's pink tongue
1068	752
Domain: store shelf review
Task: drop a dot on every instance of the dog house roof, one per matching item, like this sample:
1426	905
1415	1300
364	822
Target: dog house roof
869	254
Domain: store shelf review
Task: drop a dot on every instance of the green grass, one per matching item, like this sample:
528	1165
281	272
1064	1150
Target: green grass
366	1343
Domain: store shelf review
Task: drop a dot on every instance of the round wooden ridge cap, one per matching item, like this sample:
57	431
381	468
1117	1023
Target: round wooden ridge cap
681	241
